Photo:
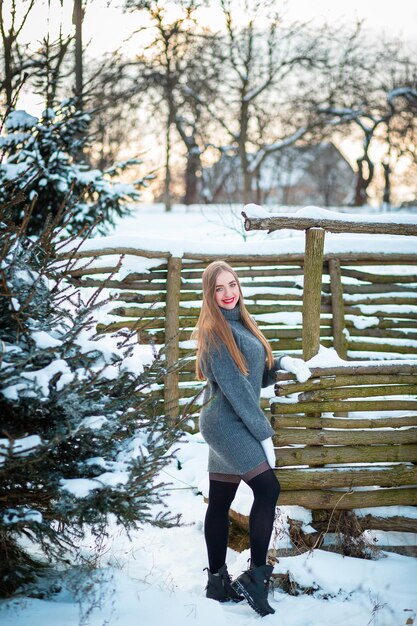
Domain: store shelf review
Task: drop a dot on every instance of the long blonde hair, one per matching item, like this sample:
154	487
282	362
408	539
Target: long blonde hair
212	325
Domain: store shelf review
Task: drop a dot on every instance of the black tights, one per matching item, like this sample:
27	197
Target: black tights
266	490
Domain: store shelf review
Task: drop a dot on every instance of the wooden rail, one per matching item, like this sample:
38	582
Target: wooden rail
359	224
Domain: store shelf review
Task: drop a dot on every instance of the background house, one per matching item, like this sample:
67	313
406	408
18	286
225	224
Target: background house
314	174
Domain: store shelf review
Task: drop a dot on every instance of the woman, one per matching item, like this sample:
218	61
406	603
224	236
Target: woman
236	359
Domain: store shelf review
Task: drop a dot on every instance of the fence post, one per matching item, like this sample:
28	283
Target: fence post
172	326
313	270
338	309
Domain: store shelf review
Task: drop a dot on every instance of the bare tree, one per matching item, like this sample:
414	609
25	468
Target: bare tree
177	64
383	108
46	64
14	61
401	129
115	125
266	101
192	122
162	70
50	68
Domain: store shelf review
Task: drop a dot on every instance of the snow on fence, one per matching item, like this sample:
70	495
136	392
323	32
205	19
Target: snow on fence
361	300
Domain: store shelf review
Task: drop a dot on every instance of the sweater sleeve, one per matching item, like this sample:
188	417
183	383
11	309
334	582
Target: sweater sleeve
239	392
269	377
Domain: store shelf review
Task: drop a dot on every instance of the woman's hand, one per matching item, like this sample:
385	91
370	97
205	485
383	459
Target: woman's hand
297	367
268	447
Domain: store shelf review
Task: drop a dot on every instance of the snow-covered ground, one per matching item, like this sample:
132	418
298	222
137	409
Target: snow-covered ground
156	575
209	222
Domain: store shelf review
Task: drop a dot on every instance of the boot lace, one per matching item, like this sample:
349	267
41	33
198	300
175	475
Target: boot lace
268	582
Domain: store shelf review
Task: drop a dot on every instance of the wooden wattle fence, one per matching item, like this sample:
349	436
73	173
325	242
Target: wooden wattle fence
163	305
347	438
363	304
348	415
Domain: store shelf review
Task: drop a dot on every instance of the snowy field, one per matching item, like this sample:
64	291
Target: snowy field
156	576
218	229
209	223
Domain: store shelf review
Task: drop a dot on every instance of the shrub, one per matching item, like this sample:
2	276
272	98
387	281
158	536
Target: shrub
81	434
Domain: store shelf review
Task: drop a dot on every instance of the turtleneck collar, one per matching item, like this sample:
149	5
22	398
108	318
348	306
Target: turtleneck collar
232	315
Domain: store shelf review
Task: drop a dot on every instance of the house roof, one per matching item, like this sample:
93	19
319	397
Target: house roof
287	167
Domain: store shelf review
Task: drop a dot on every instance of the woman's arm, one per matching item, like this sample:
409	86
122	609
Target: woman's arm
239	392
288	364
269	375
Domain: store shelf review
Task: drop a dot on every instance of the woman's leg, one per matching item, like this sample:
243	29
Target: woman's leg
266	489
216	523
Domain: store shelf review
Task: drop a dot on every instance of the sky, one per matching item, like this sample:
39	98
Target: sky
107	26
397	18
393	18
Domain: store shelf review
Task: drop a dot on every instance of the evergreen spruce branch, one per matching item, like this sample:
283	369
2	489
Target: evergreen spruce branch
5	249
63	295
83	234
127	335
189	406
69	264
65	213
27	213
33	291
81	323
22	313
12	104
12	370
17	198
92	300
15	313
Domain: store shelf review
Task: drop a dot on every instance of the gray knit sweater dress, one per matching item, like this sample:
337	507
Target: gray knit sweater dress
231	420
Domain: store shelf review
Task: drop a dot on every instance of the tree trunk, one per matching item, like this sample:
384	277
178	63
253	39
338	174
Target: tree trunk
77	19
167	184
363	180
244	161
8	71
247	181
192	168
259	198
386	200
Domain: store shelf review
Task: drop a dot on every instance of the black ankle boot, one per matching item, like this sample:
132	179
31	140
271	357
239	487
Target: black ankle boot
219	586
254	585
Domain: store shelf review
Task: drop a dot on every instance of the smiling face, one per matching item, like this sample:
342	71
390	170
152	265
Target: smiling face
226	293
